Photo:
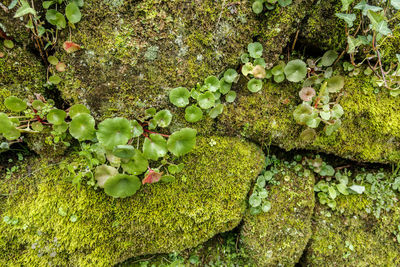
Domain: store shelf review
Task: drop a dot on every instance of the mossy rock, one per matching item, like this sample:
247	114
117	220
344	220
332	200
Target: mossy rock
21	74
134	52
370	130
353	237
279	236
207	198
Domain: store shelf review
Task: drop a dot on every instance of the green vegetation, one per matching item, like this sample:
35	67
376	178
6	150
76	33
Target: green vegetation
110	147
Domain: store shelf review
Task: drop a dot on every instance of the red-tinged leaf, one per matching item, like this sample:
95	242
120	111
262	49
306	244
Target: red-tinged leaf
71	47
60	66
152	177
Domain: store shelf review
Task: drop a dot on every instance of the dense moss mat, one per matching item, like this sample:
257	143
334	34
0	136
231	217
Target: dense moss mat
353	237
21	74
370	130
278	237
209	197
135	51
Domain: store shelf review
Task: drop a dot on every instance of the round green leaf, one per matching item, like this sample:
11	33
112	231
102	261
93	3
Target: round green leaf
254	200
335	84
82	127
122	185
254	85
179	97
212	83
137	128
193	114
260	62
295	70
278	69
328	58
55	79
302	112
5	122
279	78
244	58
337	111
124	151
53	60
155	147
12	134
61	128
224	86
163	118
56	116
215	111
37	104
8	44
247	68
206	100
307	93
102	173
167	178
73	13
230	75
266	206
230	96
137	165
77	110
257	7
113	132
15	104
37	126
182	141
255	49
56	18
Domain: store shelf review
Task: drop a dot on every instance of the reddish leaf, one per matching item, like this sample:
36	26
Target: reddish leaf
60	67
71	47
152	177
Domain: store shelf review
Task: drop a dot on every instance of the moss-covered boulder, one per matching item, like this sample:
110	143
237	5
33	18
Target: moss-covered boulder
279	236
370	130
353	237
52	222
135	51
21	74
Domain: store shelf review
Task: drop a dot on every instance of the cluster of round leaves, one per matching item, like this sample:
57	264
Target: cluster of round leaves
258	200
318	108
53	16
258	5
208	96
338	183
112	139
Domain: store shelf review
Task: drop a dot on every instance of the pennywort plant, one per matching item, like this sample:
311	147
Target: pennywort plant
114	153
59	14
367	27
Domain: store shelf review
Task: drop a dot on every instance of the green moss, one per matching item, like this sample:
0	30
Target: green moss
370	129
389	47
209	197
278	237
113	74
21	74
323	30
372	239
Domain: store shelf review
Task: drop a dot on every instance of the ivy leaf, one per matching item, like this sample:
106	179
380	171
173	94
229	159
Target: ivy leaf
359	189
13	4
365	7
395	4
348	18
353	44
382	28
73	13
24	10
155	147
346	4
